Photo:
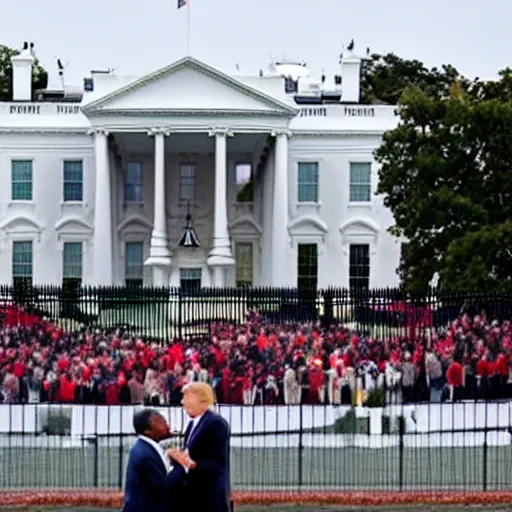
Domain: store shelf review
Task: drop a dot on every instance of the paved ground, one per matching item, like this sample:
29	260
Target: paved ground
275	468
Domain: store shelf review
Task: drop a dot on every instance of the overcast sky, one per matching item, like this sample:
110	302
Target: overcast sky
138	36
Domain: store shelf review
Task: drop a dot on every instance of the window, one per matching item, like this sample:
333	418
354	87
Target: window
244	184
307	266
190	280
187	182
360	182
72	263
291	86
308	182
22	263
73	180
244	264
134	264
21	179
359	267
133	183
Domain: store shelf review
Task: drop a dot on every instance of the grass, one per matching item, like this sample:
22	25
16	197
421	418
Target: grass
284	468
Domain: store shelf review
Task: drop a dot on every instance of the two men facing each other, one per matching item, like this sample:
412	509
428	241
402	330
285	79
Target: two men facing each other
196	478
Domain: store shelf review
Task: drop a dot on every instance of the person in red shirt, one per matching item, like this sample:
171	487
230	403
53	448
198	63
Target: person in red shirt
19	369
262	342
455	379
63	364
316	381
67	387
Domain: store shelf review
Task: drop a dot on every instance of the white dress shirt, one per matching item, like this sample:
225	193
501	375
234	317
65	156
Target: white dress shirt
160	450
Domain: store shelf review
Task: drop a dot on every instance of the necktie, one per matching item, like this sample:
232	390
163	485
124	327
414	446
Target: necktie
190	428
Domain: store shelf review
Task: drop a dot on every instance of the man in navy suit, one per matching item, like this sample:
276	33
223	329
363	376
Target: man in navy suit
206	454
152	484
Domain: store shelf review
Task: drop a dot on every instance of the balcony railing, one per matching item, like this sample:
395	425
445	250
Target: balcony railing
39	109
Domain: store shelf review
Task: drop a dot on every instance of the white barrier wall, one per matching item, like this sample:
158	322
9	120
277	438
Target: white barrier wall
92	420
422	418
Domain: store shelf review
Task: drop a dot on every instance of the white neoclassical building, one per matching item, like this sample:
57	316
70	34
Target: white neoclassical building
189	176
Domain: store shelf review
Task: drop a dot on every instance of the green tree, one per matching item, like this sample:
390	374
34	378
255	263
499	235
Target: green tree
384	78
446	175
39	75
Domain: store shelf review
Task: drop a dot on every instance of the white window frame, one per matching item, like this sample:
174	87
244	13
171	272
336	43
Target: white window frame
360	160
370	260
239	163
84	246
253	244
133	238
125	176
21	238
308	240
24	158
246	230
308	161
84	238
63	162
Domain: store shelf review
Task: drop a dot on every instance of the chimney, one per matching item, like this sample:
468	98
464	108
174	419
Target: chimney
22	75
351	73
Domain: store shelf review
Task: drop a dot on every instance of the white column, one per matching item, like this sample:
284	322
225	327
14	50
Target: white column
280	271
103	243
220	255
159	254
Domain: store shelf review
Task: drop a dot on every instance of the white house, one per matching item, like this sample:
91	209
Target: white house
276	172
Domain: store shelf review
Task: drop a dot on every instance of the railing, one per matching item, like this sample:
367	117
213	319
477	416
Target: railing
167	312
371	111
40	109
422	447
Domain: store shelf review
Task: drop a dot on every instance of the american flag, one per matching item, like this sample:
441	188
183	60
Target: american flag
182	3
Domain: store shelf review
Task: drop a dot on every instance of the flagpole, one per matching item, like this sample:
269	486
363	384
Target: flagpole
188	27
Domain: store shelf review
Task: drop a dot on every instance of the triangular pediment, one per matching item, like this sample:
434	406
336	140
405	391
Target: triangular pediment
189	85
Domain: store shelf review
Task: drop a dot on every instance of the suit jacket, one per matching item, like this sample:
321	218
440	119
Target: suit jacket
149	487
208	485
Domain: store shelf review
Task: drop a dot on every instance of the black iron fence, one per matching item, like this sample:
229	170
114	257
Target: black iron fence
166	312
425	447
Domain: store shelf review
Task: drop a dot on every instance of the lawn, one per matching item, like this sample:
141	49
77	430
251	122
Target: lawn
284	468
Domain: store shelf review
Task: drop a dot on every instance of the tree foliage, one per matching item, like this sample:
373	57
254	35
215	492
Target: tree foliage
39	74
384	78
446	175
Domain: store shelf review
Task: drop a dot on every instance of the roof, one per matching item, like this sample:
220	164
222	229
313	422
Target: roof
191	63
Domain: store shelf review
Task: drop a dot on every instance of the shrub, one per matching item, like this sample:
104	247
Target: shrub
376	398
57	424
351	424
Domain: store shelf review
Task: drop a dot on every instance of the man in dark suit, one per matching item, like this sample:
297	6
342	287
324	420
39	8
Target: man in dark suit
206	454
152	484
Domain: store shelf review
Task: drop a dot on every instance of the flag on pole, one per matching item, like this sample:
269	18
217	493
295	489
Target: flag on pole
186	3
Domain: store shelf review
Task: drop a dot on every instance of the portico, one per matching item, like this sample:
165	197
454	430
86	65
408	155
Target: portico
185	118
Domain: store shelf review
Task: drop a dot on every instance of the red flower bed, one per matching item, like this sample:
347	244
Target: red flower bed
113	498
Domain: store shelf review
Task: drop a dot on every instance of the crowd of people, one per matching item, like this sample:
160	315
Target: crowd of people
254	363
